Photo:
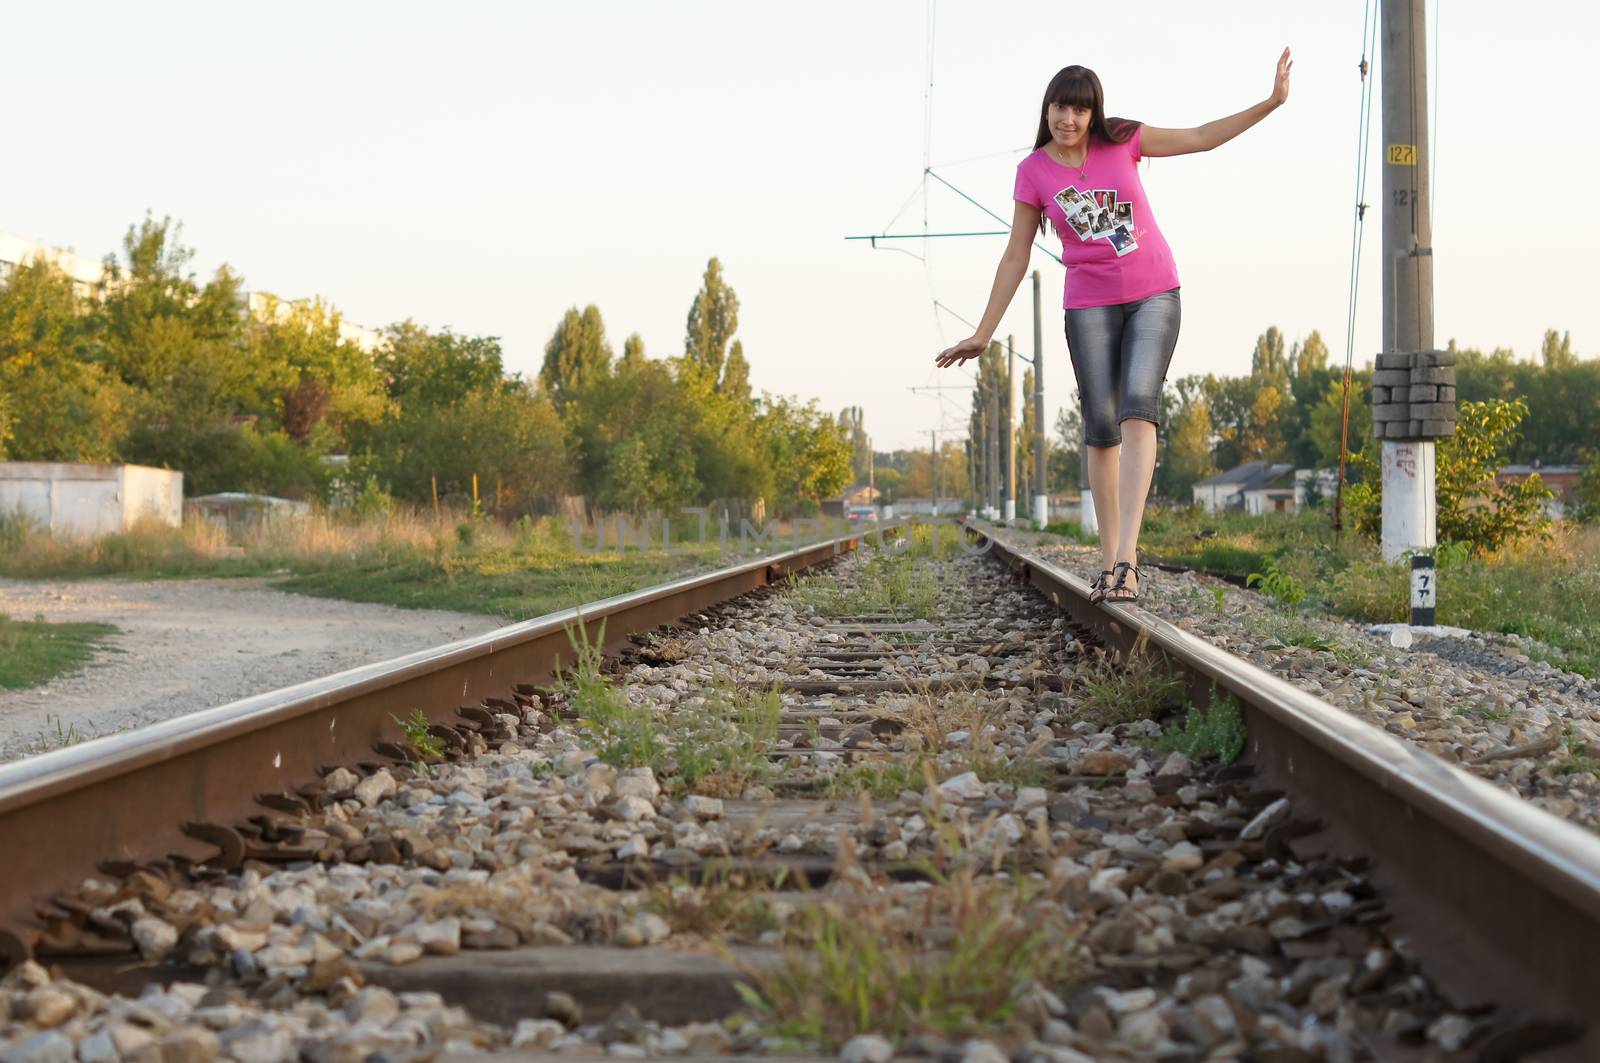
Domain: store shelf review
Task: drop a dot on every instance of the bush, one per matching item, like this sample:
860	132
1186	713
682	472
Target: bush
1473	507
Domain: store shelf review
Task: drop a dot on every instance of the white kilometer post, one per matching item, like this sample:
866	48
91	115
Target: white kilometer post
1091	525
1408	511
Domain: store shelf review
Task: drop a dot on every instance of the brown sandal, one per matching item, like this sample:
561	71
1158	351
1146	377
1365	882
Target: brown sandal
1120	591
1098	587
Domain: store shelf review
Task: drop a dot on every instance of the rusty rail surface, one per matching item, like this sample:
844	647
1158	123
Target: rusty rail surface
1503	897
171	790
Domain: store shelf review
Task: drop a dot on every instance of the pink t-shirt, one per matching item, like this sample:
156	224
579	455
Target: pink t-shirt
1109	241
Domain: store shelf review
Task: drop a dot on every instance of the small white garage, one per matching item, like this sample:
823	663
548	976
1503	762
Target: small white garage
89	500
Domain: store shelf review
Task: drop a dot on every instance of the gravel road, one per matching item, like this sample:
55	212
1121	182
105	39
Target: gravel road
193	644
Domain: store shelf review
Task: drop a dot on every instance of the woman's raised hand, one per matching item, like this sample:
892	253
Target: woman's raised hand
970	347
1280	84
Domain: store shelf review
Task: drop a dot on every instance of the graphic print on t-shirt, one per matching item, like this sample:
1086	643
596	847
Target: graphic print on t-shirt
1095	214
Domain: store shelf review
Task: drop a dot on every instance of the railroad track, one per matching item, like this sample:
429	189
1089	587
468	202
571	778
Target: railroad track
914	780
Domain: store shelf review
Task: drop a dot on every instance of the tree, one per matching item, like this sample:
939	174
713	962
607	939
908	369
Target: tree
576	355
993	382
632	353
713	319
1186	446
807	452
308	373
1473	506
1326	419
420	367
853	420
1268	364
1066	456
1026	445
56	403
1556	351
1310	356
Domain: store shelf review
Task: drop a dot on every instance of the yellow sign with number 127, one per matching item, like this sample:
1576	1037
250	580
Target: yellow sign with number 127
1402	154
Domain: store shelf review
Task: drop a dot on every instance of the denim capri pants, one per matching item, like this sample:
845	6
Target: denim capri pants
1120	355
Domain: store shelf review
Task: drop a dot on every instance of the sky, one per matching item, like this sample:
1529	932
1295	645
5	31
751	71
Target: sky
486	165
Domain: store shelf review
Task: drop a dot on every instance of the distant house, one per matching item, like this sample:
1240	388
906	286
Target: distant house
857	495
1227	490
1562	479
904	506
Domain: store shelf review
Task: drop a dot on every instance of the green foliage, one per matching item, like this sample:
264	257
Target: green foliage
1584	506
422	743
1217	731
881	779
576	356
1069	529
34	652
720	741
707	353
897	583
255	393
628	734
864	966
1139	686
1473	507
1278	582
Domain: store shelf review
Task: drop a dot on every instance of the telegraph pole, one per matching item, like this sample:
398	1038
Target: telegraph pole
1009	436
1041	445
1408	453
994	453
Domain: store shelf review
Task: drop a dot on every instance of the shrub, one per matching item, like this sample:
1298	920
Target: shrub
1473	507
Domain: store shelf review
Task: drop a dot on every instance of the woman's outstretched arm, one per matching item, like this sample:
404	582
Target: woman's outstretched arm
1013	265
1156	142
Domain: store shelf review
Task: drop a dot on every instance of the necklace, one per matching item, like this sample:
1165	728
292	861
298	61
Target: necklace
1079	166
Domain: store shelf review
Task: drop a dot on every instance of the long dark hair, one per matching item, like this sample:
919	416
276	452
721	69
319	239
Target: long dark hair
1078	86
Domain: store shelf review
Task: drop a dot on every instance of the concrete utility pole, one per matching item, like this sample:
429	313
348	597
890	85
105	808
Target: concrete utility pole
1009	436
994	455
1041	439
1408	461
933	468
1086	516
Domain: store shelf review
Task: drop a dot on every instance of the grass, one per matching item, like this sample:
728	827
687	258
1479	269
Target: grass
862	963
903	584
1217	731
715	745
407	558
881	779
628	734
1073	530
1548	590
34	652
725	902
424	744
720	740
1110	691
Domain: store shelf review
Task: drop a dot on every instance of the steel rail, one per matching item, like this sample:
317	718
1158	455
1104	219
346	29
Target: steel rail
1501	897
127	797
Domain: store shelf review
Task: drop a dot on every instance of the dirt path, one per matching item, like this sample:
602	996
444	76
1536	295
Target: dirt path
194	644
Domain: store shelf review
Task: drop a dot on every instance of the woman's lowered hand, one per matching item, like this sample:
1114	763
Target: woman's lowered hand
971	347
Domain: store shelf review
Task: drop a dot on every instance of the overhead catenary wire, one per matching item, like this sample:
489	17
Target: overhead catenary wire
1369	38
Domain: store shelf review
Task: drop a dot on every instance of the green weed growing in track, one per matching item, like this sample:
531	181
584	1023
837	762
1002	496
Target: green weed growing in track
628	734
1217	732
1138	686
423	744
860	961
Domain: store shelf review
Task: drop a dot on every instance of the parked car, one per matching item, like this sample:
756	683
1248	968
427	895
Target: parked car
861	514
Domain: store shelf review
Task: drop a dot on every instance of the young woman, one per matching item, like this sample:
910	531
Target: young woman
1121	288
